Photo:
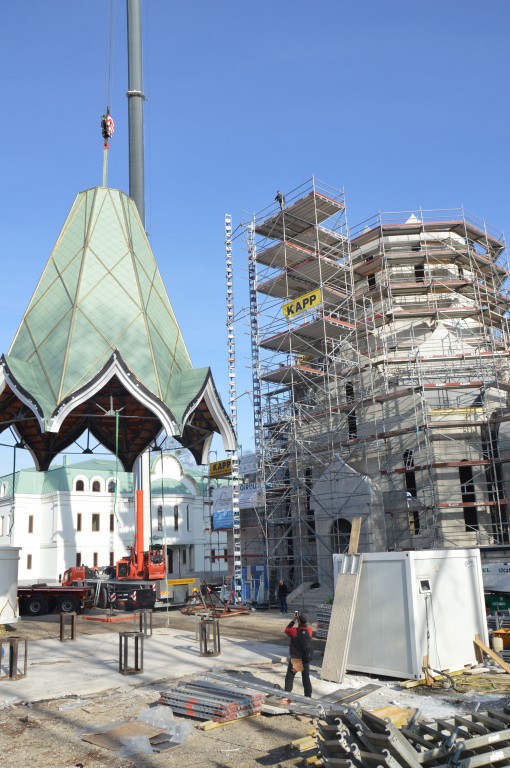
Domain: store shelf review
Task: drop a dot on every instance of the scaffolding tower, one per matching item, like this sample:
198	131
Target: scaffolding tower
381	379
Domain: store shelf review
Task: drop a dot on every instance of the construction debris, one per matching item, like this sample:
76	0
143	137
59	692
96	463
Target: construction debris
117	736
223	698
399	716
357	739
212	605
212	700
440	679
306	743
482	647
209	725
293	702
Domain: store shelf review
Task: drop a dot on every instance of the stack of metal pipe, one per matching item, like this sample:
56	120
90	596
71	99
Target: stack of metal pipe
209	700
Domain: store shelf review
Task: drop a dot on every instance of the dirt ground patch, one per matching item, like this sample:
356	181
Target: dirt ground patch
47	733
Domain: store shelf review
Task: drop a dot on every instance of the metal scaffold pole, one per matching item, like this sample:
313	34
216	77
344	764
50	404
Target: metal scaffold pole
258	435
232	399
381	369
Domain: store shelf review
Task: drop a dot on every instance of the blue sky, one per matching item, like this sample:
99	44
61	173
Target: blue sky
402	103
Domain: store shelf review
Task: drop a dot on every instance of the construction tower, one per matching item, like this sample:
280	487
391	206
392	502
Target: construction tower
380	380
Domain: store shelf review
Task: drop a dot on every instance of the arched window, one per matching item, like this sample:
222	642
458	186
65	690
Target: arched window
79	485
3	489
96	486
111	486
176	518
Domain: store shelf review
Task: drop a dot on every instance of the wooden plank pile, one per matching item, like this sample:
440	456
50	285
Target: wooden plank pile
353	738
212	700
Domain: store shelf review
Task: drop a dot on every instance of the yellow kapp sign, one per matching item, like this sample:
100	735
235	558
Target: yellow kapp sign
178	582
220	468
302	303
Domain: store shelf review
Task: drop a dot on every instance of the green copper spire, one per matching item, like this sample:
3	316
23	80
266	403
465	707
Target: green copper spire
99	313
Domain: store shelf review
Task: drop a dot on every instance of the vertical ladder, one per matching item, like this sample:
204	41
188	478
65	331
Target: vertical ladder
232	401
254	340
258	427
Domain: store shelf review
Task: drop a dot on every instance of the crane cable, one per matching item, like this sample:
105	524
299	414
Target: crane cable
110	47
107	124
116	468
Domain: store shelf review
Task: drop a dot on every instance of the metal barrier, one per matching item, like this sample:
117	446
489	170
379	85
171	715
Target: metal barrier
13	672
124	667
200	615
63	617
142	620
209	636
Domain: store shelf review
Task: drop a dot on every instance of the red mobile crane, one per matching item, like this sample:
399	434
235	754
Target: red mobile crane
134	582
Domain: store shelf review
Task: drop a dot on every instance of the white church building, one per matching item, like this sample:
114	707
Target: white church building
83	513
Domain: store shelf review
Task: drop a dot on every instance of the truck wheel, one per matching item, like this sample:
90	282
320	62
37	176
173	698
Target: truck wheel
36	606
103	598
66	605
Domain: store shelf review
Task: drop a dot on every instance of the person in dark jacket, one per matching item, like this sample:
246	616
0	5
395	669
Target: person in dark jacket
280	199
282	596
300	653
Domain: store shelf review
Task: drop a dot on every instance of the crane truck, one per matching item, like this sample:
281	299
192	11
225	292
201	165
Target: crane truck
135	581
46	598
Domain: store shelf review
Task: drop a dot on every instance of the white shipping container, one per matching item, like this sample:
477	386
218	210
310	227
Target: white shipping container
416	604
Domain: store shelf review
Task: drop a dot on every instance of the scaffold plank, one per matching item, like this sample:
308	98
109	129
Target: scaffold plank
300	215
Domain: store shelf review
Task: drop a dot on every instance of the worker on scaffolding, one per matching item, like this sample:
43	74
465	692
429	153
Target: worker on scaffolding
280	199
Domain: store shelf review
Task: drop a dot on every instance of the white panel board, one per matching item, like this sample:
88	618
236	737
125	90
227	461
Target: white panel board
413	604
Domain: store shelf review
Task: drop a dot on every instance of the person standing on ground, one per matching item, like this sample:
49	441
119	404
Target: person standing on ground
282	596
300	653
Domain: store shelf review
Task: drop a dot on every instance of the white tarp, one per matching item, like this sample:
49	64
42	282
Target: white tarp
249	494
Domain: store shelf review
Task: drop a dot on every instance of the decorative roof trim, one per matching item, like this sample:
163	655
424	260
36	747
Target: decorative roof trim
210	396
115	367
194	483
7	378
